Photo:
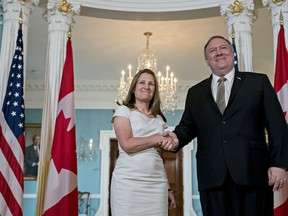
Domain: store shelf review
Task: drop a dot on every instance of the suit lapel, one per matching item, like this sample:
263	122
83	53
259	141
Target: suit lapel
208	92
237	83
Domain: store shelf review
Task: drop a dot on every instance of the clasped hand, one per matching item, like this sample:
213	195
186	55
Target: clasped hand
170	141
277	178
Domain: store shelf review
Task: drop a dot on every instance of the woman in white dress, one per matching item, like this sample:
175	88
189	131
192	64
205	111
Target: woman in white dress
139	185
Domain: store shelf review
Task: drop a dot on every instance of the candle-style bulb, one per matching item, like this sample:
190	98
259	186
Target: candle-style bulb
129	69
167	71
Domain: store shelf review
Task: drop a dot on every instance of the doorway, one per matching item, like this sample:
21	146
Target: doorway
173	165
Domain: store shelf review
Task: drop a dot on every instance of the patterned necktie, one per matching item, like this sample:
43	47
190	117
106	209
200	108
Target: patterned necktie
220	98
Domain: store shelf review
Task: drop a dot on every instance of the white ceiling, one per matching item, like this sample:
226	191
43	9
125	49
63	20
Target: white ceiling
105	42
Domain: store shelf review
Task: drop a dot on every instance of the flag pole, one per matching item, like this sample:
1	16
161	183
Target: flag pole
70	32
233	33
234	47
43	167
281	19
20	19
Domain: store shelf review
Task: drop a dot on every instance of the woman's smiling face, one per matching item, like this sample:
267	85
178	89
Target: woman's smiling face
145	87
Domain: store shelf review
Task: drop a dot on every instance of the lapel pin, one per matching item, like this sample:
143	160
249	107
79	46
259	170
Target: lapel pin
239	78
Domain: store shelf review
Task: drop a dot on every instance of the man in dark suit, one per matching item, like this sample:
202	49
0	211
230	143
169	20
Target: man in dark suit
31	158
237	170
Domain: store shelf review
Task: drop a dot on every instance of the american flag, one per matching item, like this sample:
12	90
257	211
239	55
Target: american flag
12	142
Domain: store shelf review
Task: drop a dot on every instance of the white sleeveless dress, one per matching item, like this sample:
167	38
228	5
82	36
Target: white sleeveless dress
139	184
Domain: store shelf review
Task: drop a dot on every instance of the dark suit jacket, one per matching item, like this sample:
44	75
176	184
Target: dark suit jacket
235	142
31	157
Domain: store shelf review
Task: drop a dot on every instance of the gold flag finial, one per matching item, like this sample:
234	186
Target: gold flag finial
20	19
281	18
236	7
233	32
70	32
64	6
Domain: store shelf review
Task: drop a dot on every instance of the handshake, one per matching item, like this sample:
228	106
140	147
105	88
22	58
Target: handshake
169	141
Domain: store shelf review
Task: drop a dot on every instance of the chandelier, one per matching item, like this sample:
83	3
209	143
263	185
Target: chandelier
167	83
86	149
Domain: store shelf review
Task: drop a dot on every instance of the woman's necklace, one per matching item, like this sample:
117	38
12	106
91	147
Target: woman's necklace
142	111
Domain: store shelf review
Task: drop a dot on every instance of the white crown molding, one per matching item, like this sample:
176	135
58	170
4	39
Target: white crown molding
103	85
92	94
150	5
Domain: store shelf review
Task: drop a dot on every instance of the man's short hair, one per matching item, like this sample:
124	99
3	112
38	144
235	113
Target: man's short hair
34	136
220	37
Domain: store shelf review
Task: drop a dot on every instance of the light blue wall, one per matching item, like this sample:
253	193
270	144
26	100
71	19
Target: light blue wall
88	124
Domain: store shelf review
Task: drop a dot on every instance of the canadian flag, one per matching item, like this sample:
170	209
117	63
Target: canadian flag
61	193
281	88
